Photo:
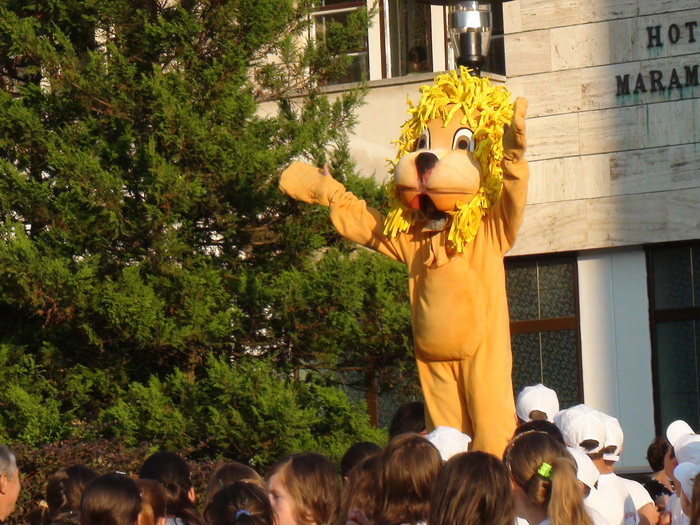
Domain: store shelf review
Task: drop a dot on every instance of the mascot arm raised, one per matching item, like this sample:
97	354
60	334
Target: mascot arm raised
511	206
351	217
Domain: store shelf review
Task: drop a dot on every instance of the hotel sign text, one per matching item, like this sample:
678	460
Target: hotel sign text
656	80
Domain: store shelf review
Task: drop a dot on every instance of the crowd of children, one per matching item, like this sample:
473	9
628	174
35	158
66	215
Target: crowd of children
557	469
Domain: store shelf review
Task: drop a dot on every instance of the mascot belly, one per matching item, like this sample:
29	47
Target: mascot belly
457	198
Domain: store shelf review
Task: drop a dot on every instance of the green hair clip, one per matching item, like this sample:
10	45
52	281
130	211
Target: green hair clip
545	470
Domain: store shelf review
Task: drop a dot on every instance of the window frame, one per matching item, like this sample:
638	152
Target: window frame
554	324
664	315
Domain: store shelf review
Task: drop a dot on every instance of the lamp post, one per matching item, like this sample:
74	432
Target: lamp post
469	27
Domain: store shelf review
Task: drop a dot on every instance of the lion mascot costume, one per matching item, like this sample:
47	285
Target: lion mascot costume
457	198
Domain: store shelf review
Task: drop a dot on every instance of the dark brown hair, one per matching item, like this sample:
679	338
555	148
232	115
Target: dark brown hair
356	454
174	474
541	426
64	489
360	490
473	488
557	488
153	506
656	453
409	417
229	473
408	468
112	499
313	486
240	503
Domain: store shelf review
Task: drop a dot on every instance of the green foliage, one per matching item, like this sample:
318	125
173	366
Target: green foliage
247	411
154	282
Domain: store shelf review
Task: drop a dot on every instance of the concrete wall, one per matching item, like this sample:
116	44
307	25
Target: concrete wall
616	344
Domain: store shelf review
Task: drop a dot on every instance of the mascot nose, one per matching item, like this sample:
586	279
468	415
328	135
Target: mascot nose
424	163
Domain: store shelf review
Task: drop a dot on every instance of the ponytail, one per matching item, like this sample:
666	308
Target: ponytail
546	472
566	499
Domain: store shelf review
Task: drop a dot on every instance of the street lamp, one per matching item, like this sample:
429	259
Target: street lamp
470	25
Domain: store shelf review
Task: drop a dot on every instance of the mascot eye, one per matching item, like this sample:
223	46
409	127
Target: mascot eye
463	140
423	140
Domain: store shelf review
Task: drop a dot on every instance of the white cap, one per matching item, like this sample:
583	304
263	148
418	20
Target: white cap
685	442
685	473
449	441
581	423
613	437
537	397
586	471
676	430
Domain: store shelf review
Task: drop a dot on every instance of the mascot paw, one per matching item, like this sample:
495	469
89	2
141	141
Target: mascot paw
514	142
307	183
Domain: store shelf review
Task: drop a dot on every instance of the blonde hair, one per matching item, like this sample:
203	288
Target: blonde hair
313	486
487	109
546	473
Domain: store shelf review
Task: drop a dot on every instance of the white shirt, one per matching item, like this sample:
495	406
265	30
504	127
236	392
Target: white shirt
613	501
639	494
678	517
597	517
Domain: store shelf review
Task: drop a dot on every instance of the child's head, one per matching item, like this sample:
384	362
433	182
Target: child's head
239	503
408	468
472	487
360	490
112	499
304	489
356	454
65	489
409	417
544	475
230	473
174	474
153	506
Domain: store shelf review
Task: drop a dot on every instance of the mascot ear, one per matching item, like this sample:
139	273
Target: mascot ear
514	142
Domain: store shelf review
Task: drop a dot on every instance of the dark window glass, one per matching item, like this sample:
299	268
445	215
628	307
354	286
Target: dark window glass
675	319
496	59
545	338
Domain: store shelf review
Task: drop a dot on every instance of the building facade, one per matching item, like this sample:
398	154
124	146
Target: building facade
604	280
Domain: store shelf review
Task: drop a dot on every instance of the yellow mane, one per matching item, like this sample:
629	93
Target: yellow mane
468	93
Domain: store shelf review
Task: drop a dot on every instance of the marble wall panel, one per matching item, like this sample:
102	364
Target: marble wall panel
549	93
626	220
539	14
528	53
550	137
654	170
552	227
568	179
610	130
683	214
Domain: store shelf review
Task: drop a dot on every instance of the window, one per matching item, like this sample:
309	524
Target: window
674	296
407	40
545	334
338	11
496	61
406	37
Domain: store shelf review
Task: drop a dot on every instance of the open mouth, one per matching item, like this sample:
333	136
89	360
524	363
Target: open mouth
430	212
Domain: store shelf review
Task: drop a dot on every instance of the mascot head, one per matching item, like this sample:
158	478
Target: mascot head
447	172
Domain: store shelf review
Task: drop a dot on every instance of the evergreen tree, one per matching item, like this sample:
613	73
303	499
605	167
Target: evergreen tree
142	228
